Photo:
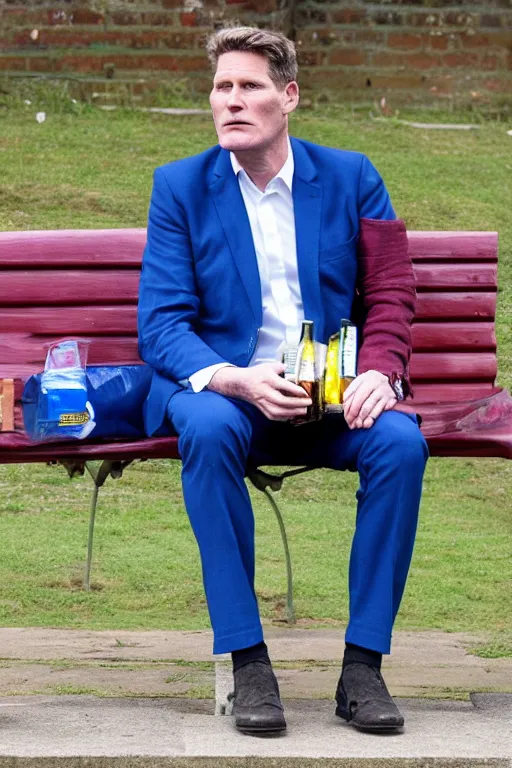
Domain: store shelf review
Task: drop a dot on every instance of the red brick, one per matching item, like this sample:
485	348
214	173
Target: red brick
369	35
152	19
347	57
390	18
124	18
26	63
336	79
306	16
423	61
260	6
387	59
12	63
391	82
460	60
489	40
317	37
55	36
405	41
441	84
134	62
85	16
188	19
498	86
491	62
489	20
438	42
309	58
348	16
475	41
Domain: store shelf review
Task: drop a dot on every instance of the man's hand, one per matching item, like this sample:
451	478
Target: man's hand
262	385
366	398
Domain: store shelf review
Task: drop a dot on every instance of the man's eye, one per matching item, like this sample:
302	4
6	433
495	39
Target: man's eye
251	86
223	86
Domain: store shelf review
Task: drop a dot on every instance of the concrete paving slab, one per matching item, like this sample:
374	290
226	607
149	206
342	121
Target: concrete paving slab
307	663
308	682
75	726
287	644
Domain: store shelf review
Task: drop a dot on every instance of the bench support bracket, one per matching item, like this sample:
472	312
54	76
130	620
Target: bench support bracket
263	481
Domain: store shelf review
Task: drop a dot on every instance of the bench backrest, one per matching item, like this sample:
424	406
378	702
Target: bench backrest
84	283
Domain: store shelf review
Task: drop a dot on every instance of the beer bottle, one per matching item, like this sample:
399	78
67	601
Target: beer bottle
347	365
332	376
306	358
305	368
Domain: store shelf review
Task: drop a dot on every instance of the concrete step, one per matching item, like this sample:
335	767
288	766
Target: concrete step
437	733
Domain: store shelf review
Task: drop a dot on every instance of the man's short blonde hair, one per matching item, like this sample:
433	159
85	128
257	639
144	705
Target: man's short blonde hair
274	46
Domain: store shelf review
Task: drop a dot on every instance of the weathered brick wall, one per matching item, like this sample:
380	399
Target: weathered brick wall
423	49
439	48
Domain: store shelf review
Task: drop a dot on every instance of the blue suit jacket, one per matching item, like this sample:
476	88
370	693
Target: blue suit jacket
200	295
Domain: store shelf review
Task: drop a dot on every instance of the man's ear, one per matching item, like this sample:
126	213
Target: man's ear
290	97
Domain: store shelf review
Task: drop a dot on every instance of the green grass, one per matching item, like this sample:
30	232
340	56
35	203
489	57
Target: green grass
84	168
146	572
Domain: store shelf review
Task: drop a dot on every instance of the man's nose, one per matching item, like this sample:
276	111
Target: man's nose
235	98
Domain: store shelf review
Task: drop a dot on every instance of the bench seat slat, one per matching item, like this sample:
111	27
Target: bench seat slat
86	287
28	348
454	366
449	391
453	246
72	248
473	276
69	321
456	306
17	348
58	287
454	337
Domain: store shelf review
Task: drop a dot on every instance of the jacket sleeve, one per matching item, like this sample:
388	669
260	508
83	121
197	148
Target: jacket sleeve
386	287
168	301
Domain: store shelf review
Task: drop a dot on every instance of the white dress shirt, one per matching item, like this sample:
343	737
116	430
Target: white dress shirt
272	222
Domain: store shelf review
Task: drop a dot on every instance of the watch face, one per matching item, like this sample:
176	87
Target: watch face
399	390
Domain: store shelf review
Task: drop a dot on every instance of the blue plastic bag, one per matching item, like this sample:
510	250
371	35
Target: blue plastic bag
73	402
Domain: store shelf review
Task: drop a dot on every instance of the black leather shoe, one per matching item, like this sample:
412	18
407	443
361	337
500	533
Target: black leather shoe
257	707
364	701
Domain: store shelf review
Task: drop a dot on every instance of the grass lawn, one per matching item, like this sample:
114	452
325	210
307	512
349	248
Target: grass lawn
84	168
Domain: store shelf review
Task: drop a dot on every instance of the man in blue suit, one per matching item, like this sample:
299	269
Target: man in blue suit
244	241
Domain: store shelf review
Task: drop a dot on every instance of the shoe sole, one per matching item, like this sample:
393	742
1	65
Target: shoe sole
261	731
369	728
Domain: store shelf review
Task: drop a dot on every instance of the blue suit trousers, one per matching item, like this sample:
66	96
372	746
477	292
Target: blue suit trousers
220	437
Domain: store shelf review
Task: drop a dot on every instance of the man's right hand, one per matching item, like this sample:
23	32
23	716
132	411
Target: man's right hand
263	386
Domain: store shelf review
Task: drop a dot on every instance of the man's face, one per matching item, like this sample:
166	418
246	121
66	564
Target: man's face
249	110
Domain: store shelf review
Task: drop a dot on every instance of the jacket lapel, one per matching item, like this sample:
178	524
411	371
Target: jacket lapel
307	202
235	222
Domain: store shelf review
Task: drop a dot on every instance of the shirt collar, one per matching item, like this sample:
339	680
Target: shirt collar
285	174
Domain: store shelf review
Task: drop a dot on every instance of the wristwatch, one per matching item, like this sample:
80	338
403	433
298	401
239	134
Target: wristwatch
397	388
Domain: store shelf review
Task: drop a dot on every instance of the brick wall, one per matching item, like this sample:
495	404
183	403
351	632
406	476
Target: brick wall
428	49
349	49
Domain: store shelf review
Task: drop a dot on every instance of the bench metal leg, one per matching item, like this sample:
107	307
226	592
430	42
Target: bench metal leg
290	609
99	475
263	481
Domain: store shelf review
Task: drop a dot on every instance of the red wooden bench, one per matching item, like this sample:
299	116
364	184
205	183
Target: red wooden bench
85	283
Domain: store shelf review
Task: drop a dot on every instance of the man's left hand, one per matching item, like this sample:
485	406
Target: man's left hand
367	396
